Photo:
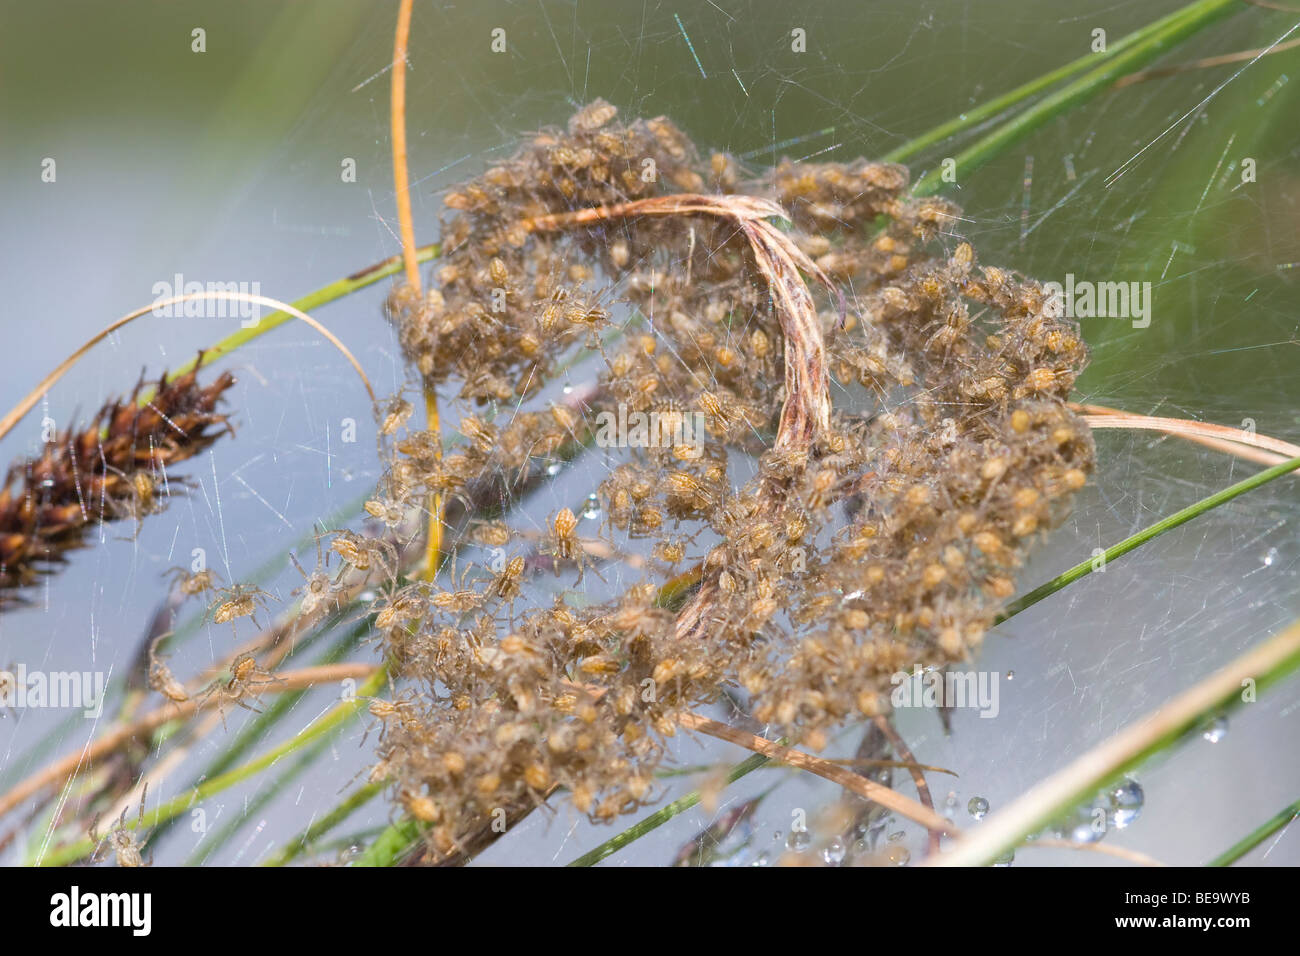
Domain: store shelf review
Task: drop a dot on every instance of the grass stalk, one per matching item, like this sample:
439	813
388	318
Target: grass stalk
302	762
337	716
261	726
1257	836
1182	25
1084	568
991	108
318	828
1047	801
336	290
664	814
393	845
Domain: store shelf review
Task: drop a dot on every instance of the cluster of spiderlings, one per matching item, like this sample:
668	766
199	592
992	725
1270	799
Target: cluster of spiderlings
892	541
508	302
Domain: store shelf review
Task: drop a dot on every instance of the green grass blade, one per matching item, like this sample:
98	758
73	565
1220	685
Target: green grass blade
1257	836
394	844
1084	568
337	716
301	843
1191	20
990	109
662	816
1259	668
301	764
260	727
312	300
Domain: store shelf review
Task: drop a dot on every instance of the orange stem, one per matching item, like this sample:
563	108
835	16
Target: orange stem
401	180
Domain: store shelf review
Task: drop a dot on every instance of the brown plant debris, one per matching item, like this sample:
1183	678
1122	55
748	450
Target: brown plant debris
114	468
901	447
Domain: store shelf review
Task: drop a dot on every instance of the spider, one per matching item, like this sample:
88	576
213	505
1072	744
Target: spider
362	552
236	601
245	674
406	605
121	840
405	709
505	584
140	498
161	678
563	543
395	413
461	599
317	586
192	583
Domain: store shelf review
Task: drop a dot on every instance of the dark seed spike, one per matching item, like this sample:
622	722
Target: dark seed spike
48	502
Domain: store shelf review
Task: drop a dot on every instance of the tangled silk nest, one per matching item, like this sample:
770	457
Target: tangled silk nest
907	442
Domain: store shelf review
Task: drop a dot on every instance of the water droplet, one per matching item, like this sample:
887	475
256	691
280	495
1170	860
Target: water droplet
1085	831
977	807
1011	675
47	483
896	836
762	859
776	836
1087	823
1215	730
897	855
568	389
881	775
952	798
1006	859
1269	557
835	852
367	596
798	841
347	474
1126	802
350	853
554	468
592	510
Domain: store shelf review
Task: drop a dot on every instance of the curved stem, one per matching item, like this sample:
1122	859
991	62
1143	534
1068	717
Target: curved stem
401	179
